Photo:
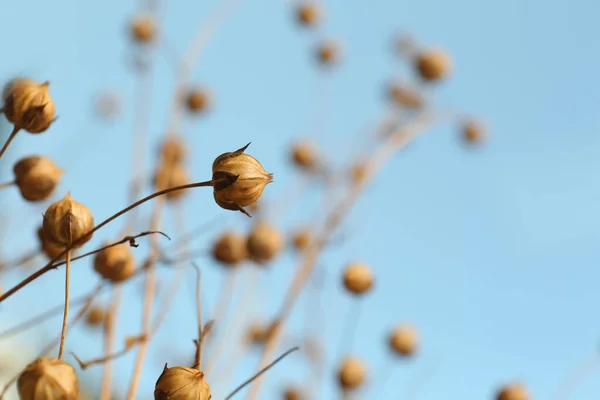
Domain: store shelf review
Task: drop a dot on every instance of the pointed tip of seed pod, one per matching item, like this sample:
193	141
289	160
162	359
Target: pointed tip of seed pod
46	84
240	151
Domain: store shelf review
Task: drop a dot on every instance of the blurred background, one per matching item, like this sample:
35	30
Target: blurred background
490	251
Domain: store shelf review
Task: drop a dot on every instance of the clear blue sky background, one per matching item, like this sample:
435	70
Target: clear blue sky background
493	254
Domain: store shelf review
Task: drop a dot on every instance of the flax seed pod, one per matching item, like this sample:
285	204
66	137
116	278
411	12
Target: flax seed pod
181	383
116	263
515	391
329	52
405	97
433	64
264	243
198	100
96	316
230	249
259	333
238	180
352	373
358	278
473	131
48	379
301	239
358	172
171	175
28	105
292	393
48	248
309	13
305	155
36	177
173	150
143	28
403	341
67	221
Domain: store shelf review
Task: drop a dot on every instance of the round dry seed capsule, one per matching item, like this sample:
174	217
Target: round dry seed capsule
309	13
403	340
28	105
264	242
259	333
115	263
305	155
169	176
352	373
143	28
181	383
433	64
48	379
50	250
358	278
36	177
301	239
473	132
292	394
329	53
67	221
173	150
95	316
230	249
515	391
198	100
405	96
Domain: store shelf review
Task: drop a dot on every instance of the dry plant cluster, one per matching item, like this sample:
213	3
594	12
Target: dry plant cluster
237	181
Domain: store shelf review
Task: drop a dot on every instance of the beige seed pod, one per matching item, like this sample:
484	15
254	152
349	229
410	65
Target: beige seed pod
433	64
292	393
198	100
67	221
28	105
305	155
403	340
96	316
181	383
309	13
239	180
264	242
515	391
230	249
329	53
352	373
405	97
115	263
143	28
171	175
36	177
48	379
301	239
358	278
173	150
259	333
473	131
50	249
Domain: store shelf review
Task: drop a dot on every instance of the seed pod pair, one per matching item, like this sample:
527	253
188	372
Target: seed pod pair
433	64
181	383
116	263
358	278
352	373
66	222
515	391
28	105
48	379
264	243
171	175
36	177
230	249
403	340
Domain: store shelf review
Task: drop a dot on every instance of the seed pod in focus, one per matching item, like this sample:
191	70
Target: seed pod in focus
181	383
358	278
433	64
473	131
301	239
305	155
309	13
36	177
264	243
238	180
198	100
48	379
329	53
171	175
230	249
173	150
95	316
28	105
403	340
50	250
143	28
352	373
67	221
115	263
405	97
515	391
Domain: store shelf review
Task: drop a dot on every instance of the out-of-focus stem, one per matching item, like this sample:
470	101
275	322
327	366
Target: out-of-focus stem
63	334
109	340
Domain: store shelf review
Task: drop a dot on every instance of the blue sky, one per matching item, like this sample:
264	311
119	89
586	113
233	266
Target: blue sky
492	254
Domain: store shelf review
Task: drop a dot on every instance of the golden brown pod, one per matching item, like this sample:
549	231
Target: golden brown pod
403	340
96	316
48	379
28	105
515	391
67	221
198	100
405	97
358	278
433	64
115	263
230	248
301	239
181	383
309	13
473	131
238	180
173	150
329	53
292	394
36	177
265	242
352	373
305	155
50	250
259	333
171	175
143	28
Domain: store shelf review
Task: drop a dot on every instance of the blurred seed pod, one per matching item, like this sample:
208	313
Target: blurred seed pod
28	105
515	391
358	172
96	316
405	97
329	52
36	177
143	28
352	373
403	340
358	278
108	105
305	155
433	64
198	100
50	249
292	393
181	383
301	238
230	248
173	150
115	263
48	379
473	131
239	180
309	13
67	221
259	333
171	175
264	243
404	44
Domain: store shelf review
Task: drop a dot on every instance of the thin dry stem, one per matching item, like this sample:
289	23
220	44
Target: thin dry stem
7	184
199	315
63	334
21	261
10	139
109	340
577	376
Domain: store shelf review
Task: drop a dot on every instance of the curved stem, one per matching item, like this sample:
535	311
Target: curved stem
10	139
63	334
